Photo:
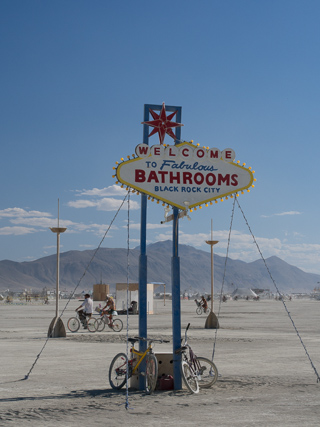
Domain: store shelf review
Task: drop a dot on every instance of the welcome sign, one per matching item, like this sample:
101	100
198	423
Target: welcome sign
185	175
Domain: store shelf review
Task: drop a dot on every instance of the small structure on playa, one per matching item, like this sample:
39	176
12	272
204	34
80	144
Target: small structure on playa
100	292
164	295
243	293
121	296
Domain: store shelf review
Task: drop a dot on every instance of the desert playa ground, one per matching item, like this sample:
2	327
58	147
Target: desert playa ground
265	376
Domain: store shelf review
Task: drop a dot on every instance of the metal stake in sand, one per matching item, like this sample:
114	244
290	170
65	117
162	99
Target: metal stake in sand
56	328
212	320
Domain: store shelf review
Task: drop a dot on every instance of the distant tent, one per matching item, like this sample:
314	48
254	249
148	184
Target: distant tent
243	293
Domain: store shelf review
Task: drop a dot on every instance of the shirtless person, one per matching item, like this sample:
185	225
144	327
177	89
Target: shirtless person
109	309
204	304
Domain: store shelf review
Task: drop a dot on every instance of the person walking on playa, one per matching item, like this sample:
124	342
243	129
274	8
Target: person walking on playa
85	310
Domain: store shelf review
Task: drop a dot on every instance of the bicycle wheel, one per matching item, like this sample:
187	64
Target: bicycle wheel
189	378
73	324
208	372
99	324
117	325
199	310
91	324
118	371
151	375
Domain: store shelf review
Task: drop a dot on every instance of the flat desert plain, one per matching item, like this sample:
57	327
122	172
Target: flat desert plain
265	376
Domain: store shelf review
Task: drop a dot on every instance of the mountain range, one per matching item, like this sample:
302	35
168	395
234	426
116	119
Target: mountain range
107	265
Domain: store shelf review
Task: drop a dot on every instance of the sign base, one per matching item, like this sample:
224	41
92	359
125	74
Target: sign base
212	321
57	329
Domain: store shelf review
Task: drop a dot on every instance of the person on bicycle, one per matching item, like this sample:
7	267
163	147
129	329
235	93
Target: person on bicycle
204	304
109	309
85	309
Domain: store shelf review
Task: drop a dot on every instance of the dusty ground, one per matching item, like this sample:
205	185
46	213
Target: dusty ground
265	377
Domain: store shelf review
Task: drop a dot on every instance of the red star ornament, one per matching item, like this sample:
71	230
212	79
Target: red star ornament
162	124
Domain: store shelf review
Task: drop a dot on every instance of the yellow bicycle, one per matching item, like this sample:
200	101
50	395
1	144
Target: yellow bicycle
121	368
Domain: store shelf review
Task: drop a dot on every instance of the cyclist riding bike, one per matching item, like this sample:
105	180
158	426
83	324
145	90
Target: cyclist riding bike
108	309
85	310
204	303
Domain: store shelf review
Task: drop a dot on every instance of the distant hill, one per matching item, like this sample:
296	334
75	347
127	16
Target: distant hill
110	266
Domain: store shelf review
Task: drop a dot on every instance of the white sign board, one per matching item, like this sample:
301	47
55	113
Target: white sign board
184	175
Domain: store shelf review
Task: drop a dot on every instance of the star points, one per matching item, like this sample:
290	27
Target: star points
162	124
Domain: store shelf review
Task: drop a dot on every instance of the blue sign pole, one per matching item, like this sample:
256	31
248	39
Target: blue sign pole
175	281
143	266
176	302
175	267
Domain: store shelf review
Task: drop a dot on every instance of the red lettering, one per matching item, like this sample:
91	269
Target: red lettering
174	178
163	176
200	153
228	154
153	177
143	149
234	180
140	175
223	179
210	179
172	154
198	178
187	178
214	154
156	151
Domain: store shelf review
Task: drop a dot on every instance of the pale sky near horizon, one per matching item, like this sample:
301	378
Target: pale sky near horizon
75	76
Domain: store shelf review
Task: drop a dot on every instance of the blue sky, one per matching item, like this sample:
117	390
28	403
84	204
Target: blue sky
75	76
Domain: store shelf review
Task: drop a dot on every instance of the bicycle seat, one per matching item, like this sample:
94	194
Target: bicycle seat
181	350
132	340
